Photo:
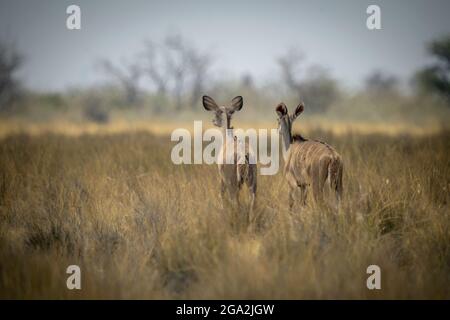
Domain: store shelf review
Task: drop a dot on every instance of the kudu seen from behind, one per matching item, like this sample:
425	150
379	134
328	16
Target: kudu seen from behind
308	163
232	175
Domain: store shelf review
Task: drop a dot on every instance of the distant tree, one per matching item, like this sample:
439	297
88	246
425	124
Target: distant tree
316	88
199	65
153	66
290	68
128	75
10	63
175	67
319	89
379	82
436	77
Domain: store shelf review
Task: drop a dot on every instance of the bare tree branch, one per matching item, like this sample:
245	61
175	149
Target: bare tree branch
128	75
289	65
10	62
152	67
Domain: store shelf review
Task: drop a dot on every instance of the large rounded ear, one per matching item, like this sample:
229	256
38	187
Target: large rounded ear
281	110
209	103
237	103
298	111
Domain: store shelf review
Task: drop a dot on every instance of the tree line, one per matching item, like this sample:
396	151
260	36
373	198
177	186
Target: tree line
176	73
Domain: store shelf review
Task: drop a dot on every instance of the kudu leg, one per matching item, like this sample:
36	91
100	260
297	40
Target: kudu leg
317	189
252	206
338	201
320	174
236	197
303	194
336	184
222	193
291	197
252	186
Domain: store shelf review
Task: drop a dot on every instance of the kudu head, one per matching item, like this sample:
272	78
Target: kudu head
285	121
220	111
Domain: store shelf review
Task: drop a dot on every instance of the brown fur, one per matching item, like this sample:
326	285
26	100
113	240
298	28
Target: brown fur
308	163
232	176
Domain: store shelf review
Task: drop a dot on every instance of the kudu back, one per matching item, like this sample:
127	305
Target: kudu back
241	171
308	163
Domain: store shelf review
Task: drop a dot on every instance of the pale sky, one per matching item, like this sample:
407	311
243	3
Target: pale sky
245	36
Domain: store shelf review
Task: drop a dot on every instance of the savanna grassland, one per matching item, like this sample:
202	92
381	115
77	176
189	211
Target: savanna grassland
142	227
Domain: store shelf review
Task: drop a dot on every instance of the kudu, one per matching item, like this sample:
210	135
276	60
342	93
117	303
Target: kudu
232	176
307	162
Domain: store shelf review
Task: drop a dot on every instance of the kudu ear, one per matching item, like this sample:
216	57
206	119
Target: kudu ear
237	103
209	104
298	111
281	110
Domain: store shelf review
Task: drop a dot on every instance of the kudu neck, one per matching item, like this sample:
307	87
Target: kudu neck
286	141
227	131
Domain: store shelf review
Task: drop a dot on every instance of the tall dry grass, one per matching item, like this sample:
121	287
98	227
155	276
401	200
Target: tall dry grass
141	227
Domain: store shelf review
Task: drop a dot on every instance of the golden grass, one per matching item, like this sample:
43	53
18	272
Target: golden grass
165	127
141	227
